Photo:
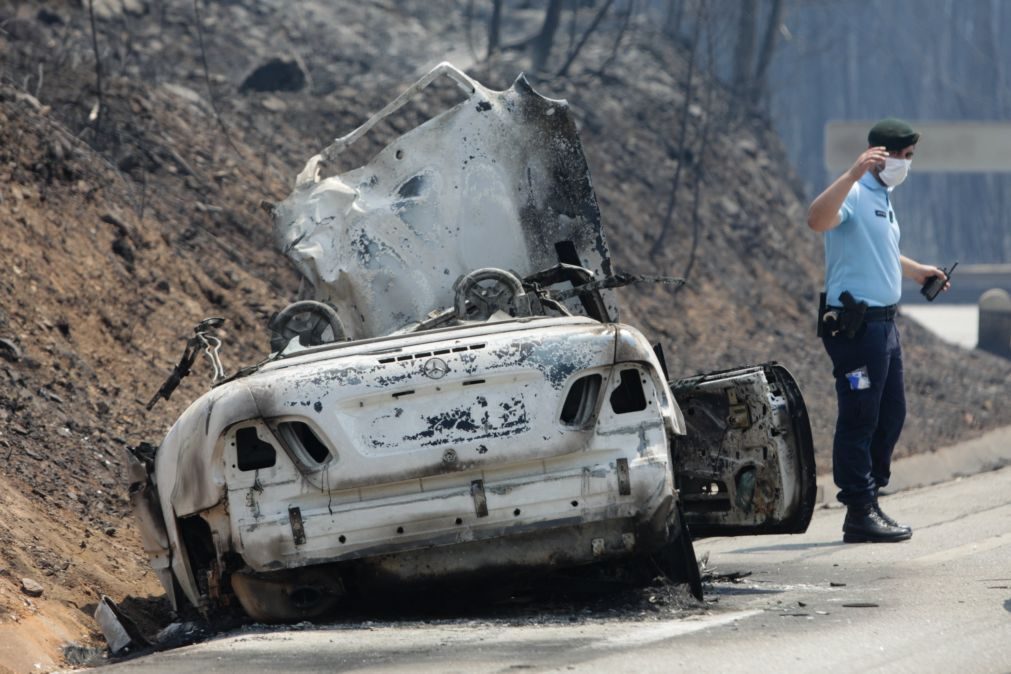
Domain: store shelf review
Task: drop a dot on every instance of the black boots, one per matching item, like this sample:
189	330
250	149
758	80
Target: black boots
868	524
888	520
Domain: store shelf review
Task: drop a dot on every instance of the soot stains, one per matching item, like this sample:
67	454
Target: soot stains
348	376
468	423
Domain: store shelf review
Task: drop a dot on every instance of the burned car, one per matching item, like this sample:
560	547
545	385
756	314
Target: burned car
456	396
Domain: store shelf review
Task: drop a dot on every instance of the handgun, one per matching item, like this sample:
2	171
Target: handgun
935	283
852	317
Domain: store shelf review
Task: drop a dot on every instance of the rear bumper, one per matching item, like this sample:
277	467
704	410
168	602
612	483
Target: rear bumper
570	510
300	594
556	544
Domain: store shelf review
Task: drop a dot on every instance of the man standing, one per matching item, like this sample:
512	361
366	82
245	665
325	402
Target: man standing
863	284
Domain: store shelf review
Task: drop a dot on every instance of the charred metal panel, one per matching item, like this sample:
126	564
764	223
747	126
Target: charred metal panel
571	489
746	465
147	512
187	466
379	495
501	403
499	180
558	546
351	524
189	471
379	500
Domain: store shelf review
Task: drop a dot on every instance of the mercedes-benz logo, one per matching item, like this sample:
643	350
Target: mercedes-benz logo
435	368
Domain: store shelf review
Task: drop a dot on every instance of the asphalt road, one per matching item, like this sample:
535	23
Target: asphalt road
940	602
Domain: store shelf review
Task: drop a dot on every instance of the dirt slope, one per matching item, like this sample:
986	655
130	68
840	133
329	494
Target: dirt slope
117	236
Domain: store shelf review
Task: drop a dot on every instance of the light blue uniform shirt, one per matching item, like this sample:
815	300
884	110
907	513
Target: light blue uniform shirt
862	252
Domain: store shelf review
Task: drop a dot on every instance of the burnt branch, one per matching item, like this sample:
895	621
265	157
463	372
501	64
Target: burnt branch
682	135
207	79
564	70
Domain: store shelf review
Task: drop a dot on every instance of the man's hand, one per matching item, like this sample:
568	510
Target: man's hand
823	213
921	272
874	156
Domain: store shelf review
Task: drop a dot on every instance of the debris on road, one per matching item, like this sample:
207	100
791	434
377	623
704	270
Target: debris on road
120	632
730	577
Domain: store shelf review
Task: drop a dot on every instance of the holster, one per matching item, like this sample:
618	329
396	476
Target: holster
846	322
852	318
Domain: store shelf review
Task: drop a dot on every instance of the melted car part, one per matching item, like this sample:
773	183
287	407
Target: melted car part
288	596
499	180
482	292
203	338
307	320
119	631
746	464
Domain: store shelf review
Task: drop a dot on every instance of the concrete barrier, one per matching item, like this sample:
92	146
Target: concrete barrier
995	322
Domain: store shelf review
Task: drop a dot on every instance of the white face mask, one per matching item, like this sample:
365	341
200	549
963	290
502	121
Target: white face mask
895	171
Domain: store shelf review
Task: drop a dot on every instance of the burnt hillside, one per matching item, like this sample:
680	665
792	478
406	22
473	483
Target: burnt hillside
130	212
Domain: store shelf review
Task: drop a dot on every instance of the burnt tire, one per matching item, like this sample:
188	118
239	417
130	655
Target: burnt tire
677	557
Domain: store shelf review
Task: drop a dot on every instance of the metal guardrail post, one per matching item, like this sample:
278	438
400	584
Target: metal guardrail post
995	322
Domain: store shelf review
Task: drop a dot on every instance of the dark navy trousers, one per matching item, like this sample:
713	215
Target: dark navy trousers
872	409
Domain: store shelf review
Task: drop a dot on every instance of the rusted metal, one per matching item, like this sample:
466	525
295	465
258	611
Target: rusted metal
297	530
624	482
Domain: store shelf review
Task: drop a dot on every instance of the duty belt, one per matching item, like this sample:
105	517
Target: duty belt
875	313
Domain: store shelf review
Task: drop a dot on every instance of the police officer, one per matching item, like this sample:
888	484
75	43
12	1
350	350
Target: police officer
863	284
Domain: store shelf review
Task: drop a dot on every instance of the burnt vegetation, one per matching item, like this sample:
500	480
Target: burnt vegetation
138	138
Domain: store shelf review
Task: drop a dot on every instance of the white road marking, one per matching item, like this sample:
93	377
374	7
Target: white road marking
997	541
671	629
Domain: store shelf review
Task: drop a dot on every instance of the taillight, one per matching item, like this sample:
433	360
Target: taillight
300	437
581	400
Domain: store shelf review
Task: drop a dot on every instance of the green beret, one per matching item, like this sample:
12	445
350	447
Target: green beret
894	134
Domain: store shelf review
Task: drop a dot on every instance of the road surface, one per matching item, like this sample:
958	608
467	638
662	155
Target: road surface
938	603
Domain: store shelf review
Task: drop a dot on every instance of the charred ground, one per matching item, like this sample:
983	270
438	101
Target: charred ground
119	230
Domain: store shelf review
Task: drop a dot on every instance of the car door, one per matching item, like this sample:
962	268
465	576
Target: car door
746	464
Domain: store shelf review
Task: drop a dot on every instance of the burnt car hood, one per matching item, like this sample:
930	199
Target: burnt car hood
499	180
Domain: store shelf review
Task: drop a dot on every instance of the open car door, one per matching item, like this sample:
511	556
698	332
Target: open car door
746	465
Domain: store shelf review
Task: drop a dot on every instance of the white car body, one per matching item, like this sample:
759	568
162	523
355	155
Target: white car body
460	429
